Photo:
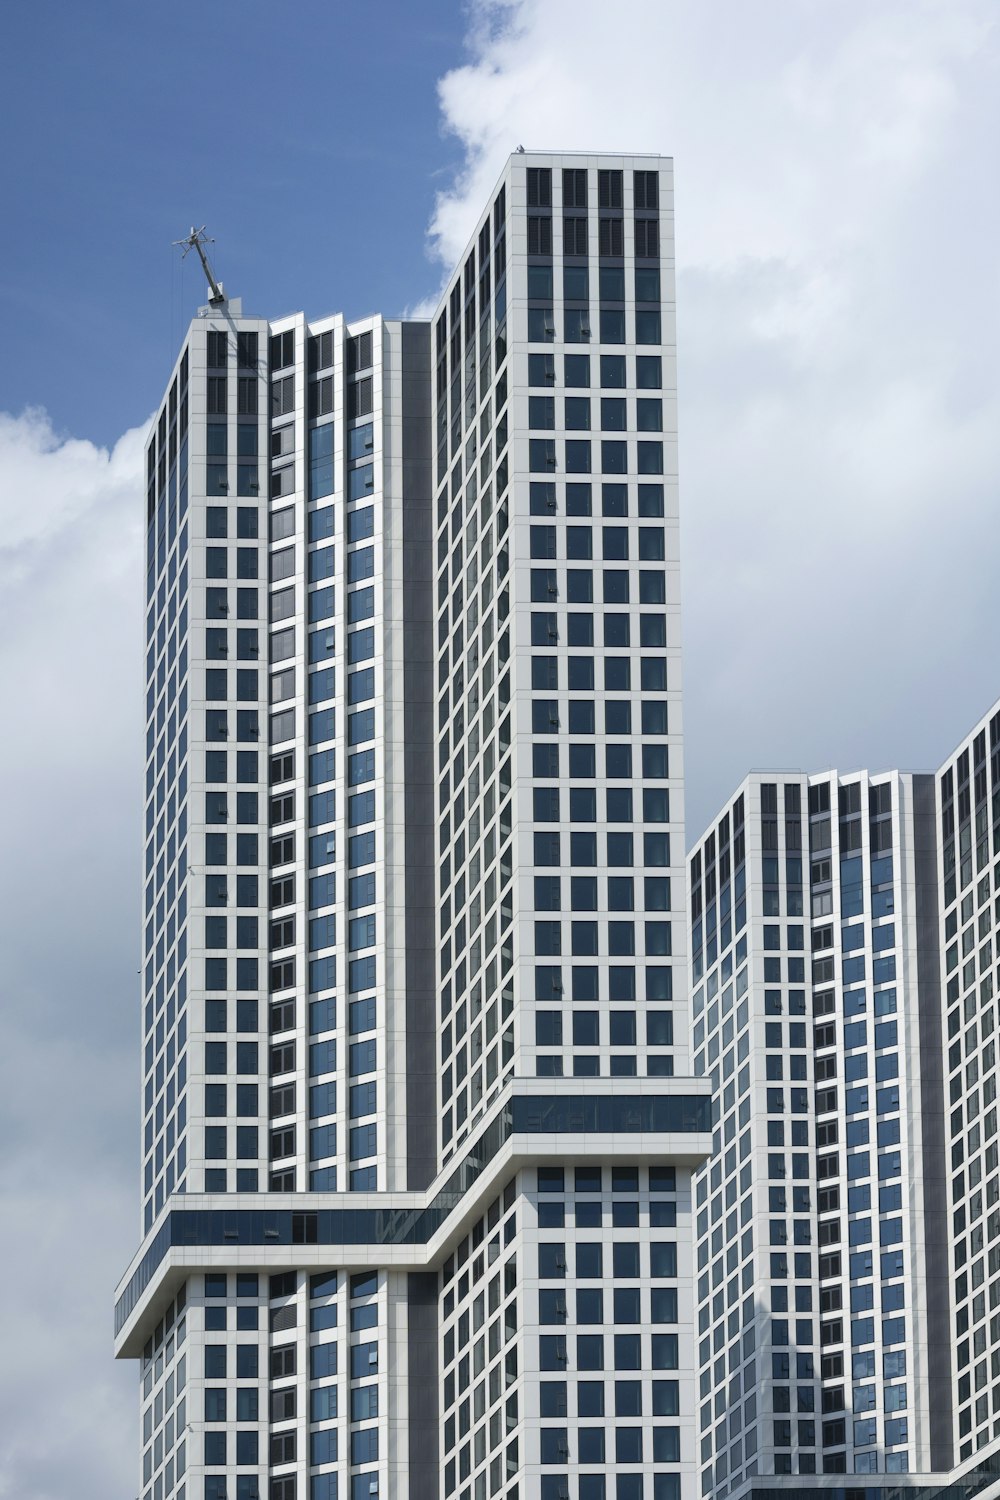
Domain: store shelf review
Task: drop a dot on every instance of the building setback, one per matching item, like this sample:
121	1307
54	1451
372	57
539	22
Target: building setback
418	1120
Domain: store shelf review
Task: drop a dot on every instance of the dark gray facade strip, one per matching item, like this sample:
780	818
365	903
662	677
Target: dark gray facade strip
422	1338
932	1105
418	757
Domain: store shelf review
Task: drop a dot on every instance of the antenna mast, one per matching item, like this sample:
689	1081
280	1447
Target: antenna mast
197	240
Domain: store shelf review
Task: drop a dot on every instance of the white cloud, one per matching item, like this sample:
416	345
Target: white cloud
70	665
837	312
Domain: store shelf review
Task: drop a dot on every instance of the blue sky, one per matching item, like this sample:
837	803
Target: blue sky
839	425
307	137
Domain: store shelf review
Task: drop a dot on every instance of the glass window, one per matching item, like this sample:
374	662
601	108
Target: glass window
541	412
542	370
576	368
578	499
577	413
541	325
647	327
576	283
613	371
612	326
614	416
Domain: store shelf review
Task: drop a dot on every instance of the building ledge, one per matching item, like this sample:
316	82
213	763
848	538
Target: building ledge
534	1120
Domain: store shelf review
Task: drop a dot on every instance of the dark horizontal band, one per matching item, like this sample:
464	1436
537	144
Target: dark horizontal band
604	1114
972	1480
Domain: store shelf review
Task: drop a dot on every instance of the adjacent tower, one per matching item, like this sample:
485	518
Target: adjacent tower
844	978
968	825
418	1125
822	1312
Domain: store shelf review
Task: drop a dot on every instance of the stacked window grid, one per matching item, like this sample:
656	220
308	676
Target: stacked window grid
165	862
228	751
605	1273
475	952
579	387
222	401
536	412
164	1401
808	1261
292	1377
336	516
480	1356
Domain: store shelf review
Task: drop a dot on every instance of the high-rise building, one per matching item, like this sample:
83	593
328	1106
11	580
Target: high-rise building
816	1266
418	1125
968	824
843	951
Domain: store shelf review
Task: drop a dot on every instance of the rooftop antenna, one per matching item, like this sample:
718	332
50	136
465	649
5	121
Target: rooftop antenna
197	240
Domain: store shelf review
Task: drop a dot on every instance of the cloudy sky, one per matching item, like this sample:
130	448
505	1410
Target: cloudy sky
839	316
